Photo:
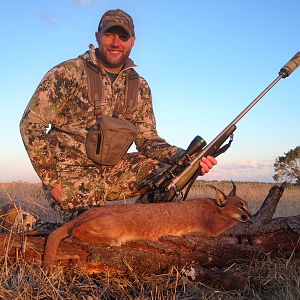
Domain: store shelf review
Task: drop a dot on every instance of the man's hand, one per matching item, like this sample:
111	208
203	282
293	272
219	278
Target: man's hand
207	163
56	192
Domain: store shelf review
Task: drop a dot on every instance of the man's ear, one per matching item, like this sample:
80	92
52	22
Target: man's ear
97	35
132	41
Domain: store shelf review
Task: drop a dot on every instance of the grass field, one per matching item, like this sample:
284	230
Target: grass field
279	278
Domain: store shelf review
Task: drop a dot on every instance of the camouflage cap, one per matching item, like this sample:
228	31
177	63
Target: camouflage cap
116	17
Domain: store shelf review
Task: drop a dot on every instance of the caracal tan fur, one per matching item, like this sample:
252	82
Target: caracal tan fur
117	224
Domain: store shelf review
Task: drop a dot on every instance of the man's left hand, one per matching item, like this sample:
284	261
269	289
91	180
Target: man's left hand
207	163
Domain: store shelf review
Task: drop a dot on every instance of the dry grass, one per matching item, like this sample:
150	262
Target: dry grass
25	281
254	193
30	197
279	278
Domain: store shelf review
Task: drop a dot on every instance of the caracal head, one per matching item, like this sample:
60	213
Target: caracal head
232	206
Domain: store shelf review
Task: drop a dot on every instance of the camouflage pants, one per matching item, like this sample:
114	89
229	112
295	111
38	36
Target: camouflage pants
83	187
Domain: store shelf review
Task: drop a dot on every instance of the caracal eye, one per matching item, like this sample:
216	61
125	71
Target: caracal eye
244	217
241	206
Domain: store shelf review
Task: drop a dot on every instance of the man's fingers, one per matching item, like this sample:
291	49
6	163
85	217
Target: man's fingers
212	160
207	163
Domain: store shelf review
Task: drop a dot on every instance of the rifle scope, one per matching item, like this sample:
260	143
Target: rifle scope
196	145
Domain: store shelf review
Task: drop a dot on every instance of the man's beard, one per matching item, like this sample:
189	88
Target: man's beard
111	62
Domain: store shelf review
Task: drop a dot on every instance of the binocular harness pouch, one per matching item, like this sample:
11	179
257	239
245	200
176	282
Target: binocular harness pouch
109	140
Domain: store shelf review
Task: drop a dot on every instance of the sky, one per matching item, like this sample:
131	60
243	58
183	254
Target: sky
205	61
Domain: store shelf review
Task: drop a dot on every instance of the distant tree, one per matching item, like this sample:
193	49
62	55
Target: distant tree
287	167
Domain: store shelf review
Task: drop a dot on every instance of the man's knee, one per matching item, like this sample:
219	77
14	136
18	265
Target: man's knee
76	194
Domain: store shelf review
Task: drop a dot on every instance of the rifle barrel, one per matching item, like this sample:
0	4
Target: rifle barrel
230	128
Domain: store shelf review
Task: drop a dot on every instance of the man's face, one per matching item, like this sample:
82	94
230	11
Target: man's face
114	48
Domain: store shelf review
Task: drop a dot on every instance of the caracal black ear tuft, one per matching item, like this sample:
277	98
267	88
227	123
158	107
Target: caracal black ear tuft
233	191
220	197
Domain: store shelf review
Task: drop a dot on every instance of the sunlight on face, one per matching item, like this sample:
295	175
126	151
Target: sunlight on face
114	48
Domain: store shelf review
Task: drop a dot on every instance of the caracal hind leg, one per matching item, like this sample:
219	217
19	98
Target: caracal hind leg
86	235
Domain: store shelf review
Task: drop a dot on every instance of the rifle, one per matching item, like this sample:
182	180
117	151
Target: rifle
170	183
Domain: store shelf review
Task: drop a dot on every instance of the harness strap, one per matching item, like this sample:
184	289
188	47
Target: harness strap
95	85
132	91
96	88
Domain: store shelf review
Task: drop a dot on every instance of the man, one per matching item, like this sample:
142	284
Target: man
57	120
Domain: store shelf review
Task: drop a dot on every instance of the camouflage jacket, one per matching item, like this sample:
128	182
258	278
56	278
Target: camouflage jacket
55	122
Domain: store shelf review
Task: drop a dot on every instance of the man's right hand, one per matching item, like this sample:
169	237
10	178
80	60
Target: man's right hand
56	192
206	164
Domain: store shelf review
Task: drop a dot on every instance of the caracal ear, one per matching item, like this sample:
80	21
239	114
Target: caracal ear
220	197
233	191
